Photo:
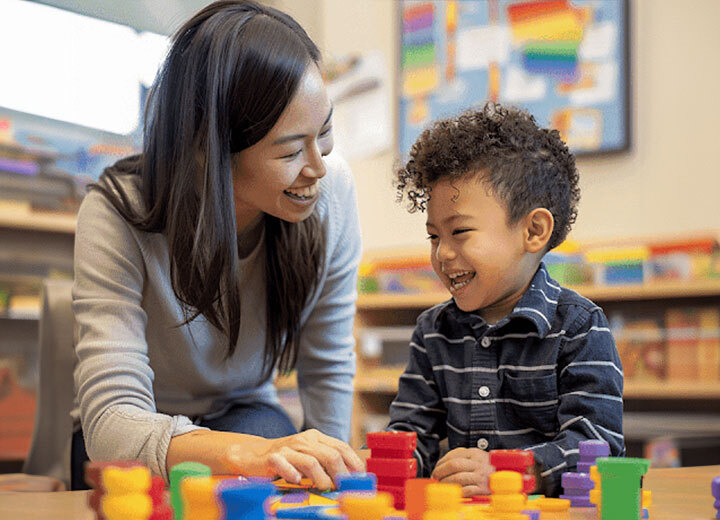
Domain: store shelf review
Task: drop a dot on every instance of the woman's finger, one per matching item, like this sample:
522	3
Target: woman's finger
329	458
309	466
281	467
351	459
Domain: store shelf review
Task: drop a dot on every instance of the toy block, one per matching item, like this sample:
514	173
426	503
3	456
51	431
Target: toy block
126	493
394	468
507	500
365	506
584	467
199	499
179	472
246	500
441	497
396	492
133	506
93	470
307	513
392	445
515	460
620	491
356	482
532	514
415	502
590	450
551	504
577	481
512	460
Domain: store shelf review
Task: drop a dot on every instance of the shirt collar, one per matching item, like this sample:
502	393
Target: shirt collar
538	304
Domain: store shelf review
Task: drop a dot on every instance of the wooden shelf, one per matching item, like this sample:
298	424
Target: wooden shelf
650	291
385	381
57	223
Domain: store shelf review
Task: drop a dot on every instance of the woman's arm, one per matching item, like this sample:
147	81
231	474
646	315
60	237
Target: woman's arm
113	376
308	454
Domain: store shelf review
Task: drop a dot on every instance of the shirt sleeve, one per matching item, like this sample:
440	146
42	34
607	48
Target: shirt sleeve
113	378
419	406
326	357
590	389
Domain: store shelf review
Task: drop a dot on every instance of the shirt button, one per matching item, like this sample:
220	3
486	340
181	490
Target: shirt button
483	444
485	342
484	391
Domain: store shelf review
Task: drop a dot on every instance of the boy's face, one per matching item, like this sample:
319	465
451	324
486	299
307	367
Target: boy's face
477	255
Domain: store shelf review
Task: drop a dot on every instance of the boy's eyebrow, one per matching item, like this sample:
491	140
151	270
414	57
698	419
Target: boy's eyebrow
294	137
457	216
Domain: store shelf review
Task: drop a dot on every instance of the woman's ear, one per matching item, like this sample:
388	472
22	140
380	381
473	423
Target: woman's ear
539	225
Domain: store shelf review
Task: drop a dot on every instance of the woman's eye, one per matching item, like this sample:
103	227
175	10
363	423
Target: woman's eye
326	132
431	237
460	231
292	155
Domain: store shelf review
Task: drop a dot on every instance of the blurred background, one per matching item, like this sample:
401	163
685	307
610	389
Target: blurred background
630	84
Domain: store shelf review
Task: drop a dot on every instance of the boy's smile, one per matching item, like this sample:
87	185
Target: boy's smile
479	257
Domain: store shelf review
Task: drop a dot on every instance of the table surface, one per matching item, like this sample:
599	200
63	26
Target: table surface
678	494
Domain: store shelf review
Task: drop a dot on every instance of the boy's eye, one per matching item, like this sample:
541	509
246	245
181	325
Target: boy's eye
431	236
326	132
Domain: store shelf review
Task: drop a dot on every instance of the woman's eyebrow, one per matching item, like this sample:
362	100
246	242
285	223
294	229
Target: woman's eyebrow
294	137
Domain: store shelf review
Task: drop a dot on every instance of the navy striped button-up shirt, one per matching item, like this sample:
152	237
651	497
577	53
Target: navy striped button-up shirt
543	378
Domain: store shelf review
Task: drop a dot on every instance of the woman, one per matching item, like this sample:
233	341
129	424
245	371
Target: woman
226	251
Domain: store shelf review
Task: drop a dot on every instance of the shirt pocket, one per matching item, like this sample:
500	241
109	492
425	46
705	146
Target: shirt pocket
531	402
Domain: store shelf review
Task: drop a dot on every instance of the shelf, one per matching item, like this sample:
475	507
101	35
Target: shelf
650	291
385	381
53	222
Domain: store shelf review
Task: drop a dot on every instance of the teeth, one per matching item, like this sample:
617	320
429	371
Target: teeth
457	286
306	192
457	275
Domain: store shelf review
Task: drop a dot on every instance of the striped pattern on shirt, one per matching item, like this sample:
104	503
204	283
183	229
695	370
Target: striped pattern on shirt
543	378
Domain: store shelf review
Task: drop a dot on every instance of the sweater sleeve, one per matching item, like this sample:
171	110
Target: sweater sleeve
590	384
326	358
113	378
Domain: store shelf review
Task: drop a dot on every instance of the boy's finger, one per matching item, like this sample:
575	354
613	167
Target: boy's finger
452	466
472	490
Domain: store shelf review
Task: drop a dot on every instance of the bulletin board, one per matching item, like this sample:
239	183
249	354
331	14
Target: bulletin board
565	61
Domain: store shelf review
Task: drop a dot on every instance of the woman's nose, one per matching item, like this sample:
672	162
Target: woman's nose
315	166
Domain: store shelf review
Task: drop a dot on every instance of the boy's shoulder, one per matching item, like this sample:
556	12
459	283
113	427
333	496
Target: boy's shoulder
576	312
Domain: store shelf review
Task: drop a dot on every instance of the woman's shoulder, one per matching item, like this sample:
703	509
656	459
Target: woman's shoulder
115	185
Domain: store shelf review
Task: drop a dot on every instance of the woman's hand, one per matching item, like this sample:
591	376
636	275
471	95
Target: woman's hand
308	454
469	467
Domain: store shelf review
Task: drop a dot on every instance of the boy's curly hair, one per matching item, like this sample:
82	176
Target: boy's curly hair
527	167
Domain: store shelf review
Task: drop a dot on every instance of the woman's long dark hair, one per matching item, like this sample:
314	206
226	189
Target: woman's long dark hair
231	71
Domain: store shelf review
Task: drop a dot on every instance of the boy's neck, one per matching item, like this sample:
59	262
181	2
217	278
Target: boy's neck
498	310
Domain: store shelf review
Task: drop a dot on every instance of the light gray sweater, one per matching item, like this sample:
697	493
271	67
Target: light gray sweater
141	380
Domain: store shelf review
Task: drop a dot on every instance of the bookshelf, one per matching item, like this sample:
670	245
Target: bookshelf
50	222
375	386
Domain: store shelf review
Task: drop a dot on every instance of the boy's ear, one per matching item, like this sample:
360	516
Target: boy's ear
539	224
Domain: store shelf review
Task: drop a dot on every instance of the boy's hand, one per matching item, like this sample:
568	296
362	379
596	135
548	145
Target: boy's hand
469	467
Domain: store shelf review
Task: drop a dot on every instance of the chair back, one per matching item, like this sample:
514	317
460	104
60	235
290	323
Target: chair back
50	448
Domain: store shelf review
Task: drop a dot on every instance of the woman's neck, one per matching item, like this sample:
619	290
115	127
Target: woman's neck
250	235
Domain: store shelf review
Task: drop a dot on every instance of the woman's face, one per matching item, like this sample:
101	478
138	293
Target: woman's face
279	174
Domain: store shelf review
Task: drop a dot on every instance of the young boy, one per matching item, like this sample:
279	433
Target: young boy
513	360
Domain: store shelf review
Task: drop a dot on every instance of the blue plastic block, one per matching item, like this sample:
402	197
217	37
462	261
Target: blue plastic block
356	482
306	513
247	502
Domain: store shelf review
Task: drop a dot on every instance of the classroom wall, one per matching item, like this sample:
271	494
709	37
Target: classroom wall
668	183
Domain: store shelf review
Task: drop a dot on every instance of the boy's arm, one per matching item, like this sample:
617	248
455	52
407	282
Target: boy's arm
419	406
590	386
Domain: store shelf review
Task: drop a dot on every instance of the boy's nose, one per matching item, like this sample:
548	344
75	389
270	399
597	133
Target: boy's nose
444	253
